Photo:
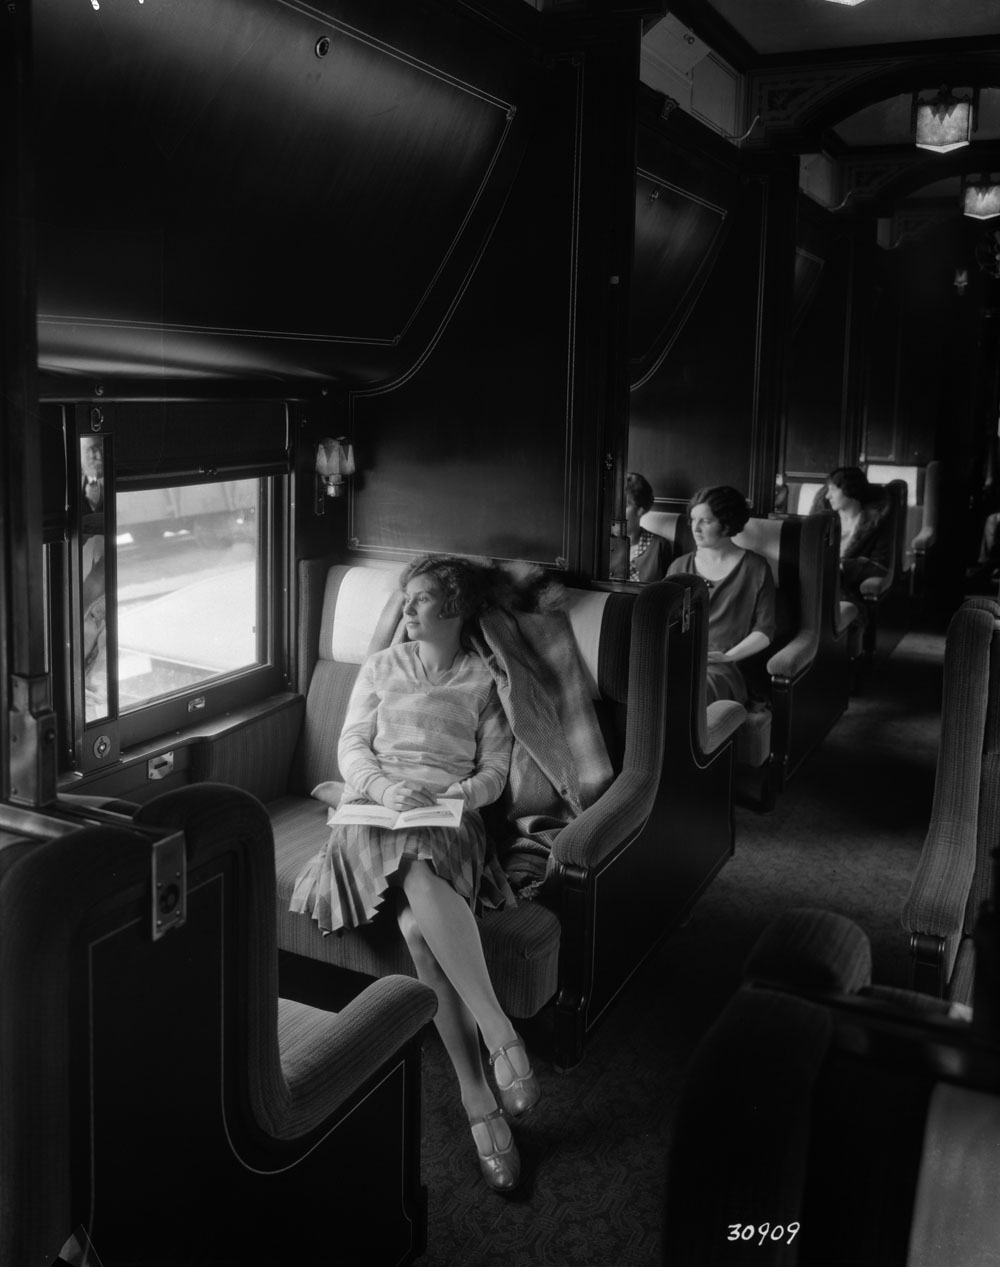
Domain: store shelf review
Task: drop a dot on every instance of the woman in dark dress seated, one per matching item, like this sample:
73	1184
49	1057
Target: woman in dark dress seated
865	529
740	588
648	552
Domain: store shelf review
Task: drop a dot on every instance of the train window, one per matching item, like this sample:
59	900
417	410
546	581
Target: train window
171	585
189	587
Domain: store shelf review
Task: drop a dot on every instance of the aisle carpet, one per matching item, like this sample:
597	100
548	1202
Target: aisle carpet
845	836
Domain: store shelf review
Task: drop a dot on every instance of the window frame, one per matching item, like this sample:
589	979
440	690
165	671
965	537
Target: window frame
100	745
177	711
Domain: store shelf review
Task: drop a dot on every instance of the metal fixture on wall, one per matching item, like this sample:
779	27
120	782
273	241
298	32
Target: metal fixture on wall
981	199
942	120
334	462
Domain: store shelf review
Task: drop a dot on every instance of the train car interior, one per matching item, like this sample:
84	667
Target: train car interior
674	329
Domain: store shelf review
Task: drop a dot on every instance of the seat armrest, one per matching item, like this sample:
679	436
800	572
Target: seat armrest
723	717
939	890
613	818
794	657
846	615
874	587
327	1056
926	539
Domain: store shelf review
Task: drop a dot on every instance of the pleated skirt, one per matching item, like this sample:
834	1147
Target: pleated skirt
343	886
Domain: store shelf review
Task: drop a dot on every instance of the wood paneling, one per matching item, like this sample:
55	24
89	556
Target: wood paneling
691	421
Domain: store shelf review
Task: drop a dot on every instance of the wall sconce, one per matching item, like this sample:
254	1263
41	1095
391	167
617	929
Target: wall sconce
943	121
851	2
961	281
334	462
981	200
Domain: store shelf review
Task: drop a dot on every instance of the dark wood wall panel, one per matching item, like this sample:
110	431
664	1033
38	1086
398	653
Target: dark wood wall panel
470	454
881	412
691	421
814	418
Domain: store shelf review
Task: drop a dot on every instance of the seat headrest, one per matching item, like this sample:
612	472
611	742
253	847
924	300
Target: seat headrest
801	497
763	536
353	601
585	609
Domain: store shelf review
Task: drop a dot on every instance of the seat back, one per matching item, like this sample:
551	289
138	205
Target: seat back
895	496
915	479
803	496
346	612
988	816
170	1091
952	879
672	524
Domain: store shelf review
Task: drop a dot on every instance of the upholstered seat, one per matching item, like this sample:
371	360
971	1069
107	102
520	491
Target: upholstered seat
622	874
953	875
159	1101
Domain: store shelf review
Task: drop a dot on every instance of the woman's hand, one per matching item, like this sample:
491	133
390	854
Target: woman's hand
400	796
718	657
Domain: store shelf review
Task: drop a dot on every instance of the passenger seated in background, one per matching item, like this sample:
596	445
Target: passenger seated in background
865	529
648	553
740	588
424	721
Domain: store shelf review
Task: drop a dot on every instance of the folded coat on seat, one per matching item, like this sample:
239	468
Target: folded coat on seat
559	762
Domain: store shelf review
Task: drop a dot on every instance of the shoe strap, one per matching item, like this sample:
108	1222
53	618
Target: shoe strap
487	1117
505	1052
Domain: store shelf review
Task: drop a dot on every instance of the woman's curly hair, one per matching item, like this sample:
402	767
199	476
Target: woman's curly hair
463	583
727	504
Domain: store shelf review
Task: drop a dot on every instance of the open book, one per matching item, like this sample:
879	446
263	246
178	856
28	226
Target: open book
446	813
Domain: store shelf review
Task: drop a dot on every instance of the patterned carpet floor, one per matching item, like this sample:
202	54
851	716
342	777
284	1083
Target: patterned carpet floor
845	836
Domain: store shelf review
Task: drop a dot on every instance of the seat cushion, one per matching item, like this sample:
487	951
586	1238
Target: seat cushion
753	739
521	944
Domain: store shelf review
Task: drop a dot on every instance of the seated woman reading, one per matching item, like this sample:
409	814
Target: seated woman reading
740	588
424	722
865	529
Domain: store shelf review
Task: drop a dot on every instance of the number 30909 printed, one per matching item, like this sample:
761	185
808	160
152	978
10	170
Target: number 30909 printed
764	1232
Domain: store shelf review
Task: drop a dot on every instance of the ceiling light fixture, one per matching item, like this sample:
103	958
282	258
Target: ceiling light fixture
850	2
943	121
981	199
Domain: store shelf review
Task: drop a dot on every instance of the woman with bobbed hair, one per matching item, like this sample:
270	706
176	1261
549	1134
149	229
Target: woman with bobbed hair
424	722
648	553
865	528
740	588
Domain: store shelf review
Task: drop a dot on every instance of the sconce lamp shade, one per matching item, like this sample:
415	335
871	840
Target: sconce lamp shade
943	121
334	461
335	457
981	201
850	2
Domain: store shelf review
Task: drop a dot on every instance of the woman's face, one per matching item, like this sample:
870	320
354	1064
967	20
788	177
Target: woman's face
422	603
835	496
706	529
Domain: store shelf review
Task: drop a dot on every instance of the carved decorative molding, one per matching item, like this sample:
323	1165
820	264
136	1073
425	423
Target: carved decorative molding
788	98
912	224
869	176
